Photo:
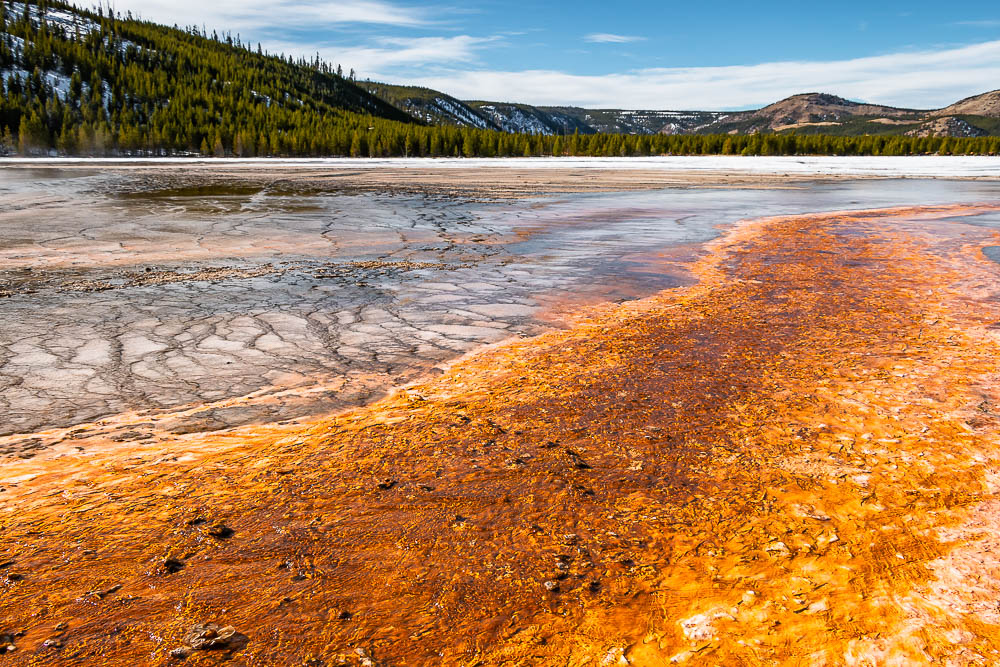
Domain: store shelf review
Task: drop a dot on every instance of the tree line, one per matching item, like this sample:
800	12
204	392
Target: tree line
115	85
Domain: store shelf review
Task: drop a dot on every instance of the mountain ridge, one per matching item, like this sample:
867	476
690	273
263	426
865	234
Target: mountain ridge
978	115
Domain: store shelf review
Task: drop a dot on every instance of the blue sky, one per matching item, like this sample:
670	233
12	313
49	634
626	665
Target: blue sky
629	54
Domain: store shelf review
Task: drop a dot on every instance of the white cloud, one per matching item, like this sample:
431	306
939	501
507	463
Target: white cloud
925	79
609	38
387	54
246	15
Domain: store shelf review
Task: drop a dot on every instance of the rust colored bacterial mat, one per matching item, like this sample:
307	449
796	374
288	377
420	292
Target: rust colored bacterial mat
791	461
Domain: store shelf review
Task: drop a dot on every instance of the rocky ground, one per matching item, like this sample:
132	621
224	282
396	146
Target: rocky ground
792	461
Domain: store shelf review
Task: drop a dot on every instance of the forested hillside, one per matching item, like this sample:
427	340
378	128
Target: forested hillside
76	82
92	83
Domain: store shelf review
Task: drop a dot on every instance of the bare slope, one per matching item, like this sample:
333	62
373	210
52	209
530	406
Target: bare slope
987	104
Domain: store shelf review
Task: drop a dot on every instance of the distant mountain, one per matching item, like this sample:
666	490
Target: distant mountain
435	107
820	113
807	113
618	121
987	104
529	119
975	116
820	107
806	110
431	106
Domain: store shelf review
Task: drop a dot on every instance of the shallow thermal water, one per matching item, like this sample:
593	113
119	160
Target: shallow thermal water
144	293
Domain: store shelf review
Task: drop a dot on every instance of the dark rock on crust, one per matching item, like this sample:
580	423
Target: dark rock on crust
219	530
210	637
173	565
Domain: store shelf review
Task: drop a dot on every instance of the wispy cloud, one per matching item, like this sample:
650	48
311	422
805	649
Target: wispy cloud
924	79
609	38
266	14
985	23
387	54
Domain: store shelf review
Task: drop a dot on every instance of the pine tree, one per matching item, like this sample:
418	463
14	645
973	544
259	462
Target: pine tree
7	144
32	135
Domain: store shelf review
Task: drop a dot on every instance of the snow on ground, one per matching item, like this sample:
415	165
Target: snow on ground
511	118
56	18
59	82
460	113
15	43
928	166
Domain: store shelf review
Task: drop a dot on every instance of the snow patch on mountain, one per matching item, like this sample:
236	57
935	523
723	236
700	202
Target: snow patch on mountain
56	81
511	118
56	18
461	113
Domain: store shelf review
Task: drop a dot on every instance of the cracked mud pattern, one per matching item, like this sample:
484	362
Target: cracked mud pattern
149	305
793	460
124	294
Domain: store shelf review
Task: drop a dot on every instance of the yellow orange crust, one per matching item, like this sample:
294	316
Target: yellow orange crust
793	461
